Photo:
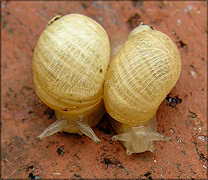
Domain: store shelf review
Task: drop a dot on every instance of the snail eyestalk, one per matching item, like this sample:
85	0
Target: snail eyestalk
57	126
87	130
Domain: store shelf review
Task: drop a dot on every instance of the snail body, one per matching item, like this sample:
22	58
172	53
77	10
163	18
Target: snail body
69	66
139	78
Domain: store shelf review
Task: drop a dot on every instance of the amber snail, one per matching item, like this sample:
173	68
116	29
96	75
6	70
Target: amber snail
139	78
69	66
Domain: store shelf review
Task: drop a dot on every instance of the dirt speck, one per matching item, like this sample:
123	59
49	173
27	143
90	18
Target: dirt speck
134	21
50	112
105	125
32	176
173	101
109	160
60	150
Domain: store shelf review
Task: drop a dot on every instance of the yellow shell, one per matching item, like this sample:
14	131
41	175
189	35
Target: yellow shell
141	75
70	62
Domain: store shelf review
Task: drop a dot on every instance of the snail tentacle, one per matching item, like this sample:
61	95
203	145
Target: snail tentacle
55	127
122	137
87	130
152	136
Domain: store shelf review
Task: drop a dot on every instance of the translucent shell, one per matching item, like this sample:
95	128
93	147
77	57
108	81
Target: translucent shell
141	75
70	62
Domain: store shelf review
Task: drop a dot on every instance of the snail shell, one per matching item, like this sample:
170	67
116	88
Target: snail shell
139	78
69	65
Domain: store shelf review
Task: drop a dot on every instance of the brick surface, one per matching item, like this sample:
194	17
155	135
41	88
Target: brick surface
64	155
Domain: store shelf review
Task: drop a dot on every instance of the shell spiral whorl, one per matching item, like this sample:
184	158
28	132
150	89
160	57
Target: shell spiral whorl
67	63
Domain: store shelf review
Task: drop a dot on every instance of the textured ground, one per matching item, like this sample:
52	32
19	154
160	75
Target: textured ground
64	155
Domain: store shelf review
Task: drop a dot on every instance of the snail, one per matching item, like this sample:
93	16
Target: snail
69	66
138	79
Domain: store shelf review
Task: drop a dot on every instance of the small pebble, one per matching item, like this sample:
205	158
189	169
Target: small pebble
178	22
185	10
179	141
193	73
202	138
171	130
57	173
204	166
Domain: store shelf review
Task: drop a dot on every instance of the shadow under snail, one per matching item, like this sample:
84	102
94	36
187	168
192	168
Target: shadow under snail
140	76
69	66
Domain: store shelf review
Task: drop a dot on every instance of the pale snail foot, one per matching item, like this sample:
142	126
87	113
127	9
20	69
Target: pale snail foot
140	138
80	127
137	141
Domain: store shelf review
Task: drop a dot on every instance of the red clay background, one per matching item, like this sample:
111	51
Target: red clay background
64	155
